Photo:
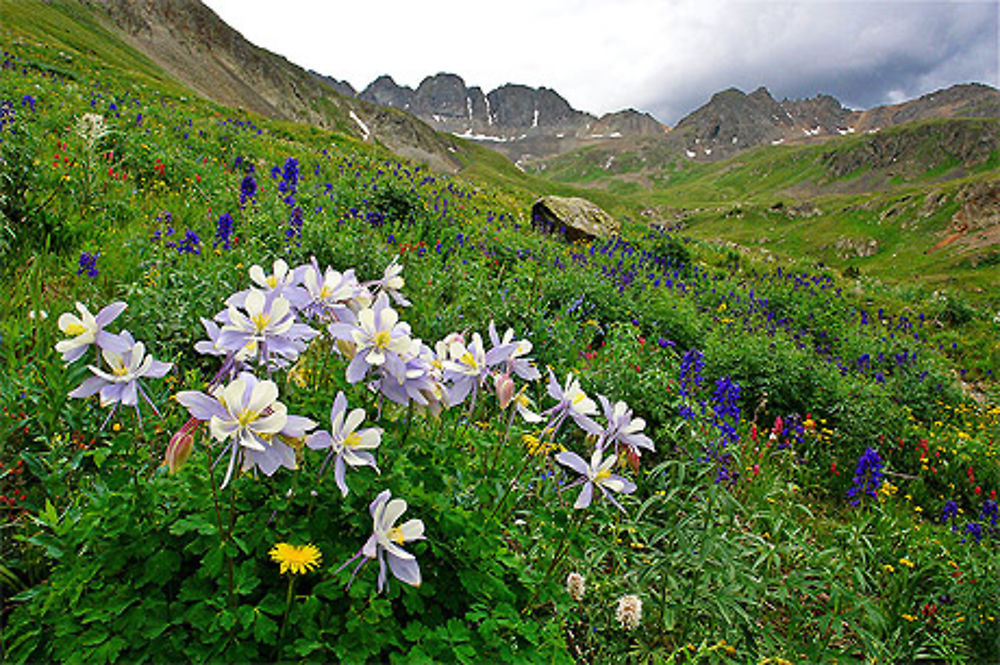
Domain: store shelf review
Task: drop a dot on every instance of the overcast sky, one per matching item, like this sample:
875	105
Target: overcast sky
665	57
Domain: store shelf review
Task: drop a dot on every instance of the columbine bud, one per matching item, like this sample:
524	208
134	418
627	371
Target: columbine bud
181	445
575	586
629	612
505	390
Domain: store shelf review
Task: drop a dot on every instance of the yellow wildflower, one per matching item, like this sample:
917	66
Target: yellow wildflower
296	558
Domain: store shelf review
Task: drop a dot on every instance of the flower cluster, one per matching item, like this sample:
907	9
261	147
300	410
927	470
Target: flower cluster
867	477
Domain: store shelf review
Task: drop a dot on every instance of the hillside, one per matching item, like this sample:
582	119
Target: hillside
188	41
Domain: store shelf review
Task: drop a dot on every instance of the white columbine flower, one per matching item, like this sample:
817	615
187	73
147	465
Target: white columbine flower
379	338
386	542
597	473
88	329
120	385
250	417
346	442
392	281
622	428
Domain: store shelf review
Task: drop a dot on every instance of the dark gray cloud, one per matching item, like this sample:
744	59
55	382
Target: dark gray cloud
864	54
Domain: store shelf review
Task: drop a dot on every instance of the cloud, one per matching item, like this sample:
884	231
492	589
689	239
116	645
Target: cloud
864	54
665	57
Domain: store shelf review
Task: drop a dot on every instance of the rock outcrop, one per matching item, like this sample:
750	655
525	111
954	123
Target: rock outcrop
581	219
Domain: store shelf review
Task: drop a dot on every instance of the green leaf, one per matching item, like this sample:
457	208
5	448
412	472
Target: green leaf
94	636
304	647
265	629
194	522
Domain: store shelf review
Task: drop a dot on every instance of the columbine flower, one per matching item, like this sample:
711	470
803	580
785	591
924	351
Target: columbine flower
379	338
515	360
88	329
268	323
181	446
525	406
391	283
415	382
329	291
572	402
345	444
598	473
469	366
622	428
629	612
576	586
296	558
386	539
248	414
121	383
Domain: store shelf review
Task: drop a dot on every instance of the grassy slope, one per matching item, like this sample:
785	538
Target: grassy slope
746	200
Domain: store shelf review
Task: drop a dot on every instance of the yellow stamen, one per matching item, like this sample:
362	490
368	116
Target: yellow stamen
272	281
352	440
75	329
382	339
261	321
602	474
247	417
396	534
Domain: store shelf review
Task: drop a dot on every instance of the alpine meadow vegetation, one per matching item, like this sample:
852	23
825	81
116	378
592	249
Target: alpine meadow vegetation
270	393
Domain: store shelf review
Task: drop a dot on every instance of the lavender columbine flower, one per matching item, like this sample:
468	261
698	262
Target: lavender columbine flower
516	362
329	291
386	539
622	428
598	473
572	402
268	322
468	367
347	444
88	329
121	383
415	382
247	413
379	338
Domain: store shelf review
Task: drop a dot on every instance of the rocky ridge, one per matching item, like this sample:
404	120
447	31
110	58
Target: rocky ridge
517	120
733	121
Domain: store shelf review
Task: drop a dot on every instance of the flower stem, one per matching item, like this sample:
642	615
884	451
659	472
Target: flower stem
561	549
288	604
223	533
510	486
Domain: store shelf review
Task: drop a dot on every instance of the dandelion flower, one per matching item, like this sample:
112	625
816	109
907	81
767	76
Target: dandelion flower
298	559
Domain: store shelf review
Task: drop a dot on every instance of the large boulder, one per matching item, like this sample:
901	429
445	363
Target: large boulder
582	219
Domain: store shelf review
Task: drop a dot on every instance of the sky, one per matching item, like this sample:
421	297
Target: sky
665	57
